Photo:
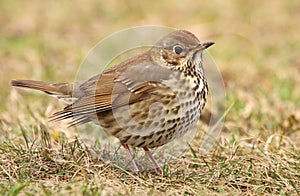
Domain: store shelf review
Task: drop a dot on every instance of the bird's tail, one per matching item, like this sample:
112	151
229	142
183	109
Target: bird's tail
62	91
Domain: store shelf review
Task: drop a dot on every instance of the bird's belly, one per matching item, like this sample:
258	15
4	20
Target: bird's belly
152	123
155	121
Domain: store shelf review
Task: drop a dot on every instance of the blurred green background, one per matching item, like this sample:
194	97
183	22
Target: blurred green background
257	45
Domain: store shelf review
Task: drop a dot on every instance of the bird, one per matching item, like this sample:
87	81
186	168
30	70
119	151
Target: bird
145	101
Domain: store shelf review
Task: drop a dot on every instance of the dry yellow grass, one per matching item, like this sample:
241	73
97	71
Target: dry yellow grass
257	50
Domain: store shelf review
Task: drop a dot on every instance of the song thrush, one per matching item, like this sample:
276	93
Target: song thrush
145	101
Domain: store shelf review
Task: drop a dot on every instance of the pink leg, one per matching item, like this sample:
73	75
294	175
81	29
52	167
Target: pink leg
135	168
157	167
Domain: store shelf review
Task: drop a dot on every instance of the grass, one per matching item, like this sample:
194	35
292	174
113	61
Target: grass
256	50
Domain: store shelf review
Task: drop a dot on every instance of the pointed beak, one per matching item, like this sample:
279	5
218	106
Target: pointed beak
207	44
199	48
204	45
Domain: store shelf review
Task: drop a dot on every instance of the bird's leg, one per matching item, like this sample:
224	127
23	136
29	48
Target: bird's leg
135	168
157	167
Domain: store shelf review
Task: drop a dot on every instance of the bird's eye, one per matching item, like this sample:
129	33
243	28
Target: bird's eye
177	49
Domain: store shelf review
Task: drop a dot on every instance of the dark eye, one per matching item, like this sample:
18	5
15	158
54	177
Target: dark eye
177	49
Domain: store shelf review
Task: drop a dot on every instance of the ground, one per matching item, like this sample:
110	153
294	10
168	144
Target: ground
257	51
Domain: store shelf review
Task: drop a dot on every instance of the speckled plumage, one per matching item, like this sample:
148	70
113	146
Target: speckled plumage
145	101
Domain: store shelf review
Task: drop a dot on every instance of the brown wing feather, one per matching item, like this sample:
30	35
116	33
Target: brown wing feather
126	83
101	103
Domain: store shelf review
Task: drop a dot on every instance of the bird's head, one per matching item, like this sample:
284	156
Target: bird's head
179	48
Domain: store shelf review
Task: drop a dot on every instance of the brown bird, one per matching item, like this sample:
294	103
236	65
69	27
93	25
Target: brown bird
146	101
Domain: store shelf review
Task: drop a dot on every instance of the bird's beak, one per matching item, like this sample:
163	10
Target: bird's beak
204	45
207	44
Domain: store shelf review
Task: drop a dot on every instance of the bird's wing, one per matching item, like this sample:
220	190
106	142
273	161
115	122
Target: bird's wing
116	87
